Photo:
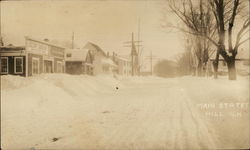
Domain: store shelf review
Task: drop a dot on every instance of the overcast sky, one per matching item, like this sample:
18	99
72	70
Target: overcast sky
106	23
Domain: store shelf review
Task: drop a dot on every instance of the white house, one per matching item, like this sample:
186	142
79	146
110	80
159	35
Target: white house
123	65
102	64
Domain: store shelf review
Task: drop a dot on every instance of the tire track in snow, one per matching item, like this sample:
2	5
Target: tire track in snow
204	139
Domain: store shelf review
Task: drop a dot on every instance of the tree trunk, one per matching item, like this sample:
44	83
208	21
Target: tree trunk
231	68
199	69
216	65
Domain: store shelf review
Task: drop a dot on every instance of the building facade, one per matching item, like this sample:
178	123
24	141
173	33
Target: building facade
124	67
78	61
34	58
101	63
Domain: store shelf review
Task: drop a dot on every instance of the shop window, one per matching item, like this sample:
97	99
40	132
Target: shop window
18	62
68	55
4	65
59	67
35	66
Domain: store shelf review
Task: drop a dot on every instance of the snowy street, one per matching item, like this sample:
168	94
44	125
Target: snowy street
63	111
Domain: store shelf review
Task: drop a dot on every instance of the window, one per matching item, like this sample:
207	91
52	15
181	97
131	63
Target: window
68	55
59	67
18	62
4	65
35	66
224	63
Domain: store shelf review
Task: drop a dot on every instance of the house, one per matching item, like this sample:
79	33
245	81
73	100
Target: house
101	63
123	65
78	61
134	59
241	63
34	58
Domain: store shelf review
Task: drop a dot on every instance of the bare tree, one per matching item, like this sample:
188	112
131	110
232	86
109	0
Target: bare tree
224	15
198	21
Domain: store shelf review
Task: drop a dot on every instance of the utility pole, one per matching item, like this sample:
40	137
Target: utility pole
138	48
133	44
151	57
72	44
1	40
151	63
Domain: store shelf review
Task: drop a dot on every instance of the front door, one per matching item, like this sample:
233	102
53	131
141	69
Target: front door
47	66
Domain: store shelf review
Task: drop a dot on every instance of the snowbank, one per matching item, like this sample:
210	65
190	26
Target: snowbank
55	111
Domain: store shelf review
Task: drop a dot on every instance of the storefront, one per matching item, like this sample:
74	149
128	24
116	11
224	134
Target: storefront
34	58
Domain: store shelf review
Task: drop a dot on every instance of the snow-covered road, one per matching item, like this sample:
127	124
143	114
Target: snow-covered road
80	112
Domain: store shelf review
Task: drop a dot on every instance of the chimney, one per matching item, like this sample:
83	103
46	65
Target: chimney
113	56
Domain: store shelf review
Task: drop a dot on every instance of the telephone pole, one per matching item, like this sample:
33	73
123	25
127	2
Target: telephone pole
151	63
134	54
138	48
151	57
1	40
72	44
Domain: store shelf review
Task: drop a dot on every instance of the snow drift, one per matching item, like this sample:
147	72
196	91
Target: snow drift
64	111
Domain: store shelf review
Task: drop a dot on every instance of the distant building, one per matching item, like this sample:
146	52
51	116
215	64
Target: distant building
123	65
34	58
144	73
241	63
78	61
134	59
101	63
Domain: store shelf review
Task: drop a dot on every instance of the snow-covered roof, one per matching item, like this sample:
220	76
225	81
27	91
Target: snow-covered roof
44	42
122	58
12	47
242	54
92	46
76	54
107	61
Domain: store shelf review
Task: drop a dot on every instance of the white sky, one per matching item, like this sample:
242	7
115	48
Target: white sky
106	23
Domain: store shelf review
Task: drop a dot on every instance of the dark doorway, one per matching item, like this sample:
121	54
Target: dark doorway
48	66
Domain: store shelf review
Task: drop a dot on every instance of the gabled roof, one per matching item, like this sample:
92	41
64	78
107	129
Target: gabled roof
108	61
122	58
93	46
44	42
76	54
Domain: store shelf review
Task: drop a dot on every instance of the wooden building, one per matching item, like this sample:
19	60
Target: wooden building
34	58
123	65
78	61
101	63
13	60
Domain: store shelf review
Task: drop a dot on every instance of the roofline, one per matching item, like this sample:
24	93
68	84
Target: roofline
44	42
66	60
237	59
98	47
13	47
121	58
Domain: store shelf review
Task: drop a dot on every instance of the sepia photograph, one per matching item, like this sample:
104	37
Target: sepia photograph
125	74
